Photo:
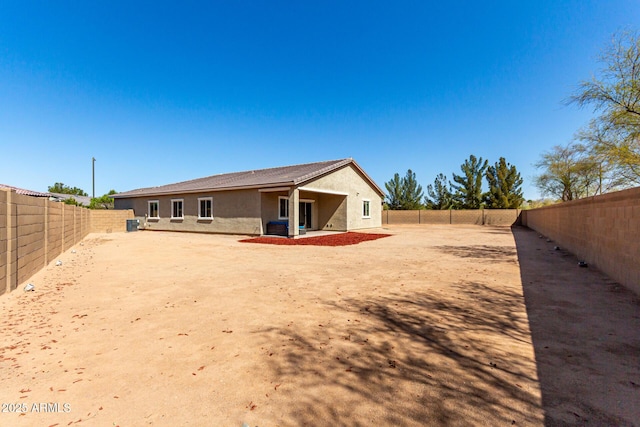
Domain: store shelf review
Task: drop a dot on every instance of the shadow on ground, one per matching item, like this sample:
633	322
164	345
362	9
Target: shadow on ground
586	335
482	252
426	358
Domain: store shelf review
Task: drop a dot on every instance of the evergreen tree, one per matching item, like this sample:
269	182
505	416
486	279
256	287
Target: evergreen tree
505	184
411	192
394	192
439	194
404	193
468	193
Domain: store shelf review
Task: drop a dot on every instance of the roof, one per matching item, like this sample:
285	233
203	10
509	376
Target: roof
25	192
83	200
262	178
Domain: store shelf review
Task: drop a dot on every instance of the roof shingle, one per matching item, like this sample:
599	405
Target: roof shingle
272	177
25	192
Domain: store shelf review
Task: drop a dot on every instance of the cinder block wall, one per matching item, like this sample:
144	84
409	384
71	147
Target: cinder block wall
30	234
3	241
603	230
34	231
108	221
463	216
55	227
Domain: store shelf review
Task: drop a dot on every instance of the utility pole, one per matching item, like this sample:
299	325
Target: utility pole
93	175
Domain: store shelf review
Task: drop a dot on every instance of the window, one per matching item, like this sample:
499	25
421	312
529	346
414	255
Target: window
154	209
205	208
283	208
176	208
366	213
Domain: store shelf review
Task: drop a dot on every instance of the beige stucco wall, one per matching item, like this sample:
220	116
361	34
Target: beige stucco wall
349	180
604	231
248	211
328	211
234	212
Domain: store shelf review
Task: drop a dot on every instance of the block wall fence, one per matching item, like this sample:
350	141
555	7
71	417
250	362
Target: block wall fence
34	231
465	216
603	230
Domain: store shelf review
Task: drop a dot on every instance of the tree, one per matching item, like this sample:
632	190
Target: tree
505	184
394	192
468	194
615	94
569	172
439	194
600	147
102	202
60	188
411	192
71	201
404	193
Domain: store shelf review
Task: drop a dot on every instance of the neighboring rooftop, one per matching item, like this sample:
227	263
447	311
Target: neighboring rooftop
26	192
83	200
272	177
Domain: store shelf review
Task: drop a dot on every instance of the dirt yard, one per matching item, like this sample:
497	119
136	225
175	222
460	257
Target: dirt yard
435	325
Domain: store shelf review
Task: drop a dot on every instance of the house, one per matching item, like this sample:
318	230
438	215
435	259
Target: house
60	197
25	192
332	195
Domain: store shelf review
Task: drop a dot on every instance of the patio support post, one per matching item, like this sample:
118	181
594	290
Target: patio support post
294	212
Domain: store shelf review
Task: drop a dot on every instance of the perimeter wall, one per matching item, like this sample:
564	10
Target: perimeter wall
469	216
34	231
603	230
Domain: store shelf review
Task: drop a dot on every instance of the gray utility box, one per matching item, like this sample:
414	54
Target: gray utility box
132	224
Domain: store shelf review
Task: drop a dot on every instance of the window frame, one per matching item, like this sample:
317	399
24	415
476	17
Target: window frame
173	213
366	206
157	203
280	199
205	199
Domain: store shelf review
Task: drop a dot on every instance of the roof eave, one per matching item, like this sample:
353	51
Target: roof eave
203	190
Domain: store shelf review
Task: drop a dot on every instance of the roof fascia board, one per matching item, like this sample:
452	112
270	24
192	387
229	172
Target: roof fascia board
272	190
202	190
319	190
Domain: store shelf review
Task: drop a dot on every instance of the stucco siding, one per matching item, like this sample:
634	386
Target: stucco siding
350	181
336	200
234	212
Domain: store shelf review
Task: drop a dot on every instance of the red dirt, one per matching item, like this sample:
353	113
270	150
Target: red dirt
342	239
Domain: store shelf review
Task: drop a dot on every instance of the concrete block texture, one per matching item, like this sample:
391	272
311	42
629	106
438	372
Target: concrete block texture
603	230
35	231
498	217
108	221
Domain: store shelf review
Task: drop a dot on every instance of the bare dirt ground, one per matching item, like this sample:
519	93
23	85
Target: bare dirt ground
436	325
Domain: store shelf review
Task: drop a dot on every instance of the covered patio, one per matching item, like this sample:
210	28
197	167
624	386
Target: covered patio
298	212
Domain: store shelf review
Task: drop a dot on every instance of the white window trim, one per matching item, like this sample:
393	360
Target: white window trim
173	216
363	202
200	199
149	209
283	198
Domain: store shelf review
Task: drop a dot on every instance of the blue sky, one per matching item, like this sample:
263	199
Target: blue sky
160	92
